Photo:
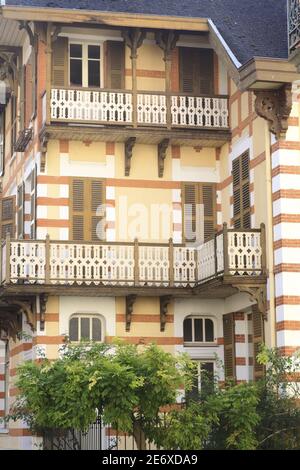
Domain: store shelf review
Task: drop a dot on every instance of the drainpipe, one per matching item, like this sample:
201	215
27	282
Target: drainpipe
270	331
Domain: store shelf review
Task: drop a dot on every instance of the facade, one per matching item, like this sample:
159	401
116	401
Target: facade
150	162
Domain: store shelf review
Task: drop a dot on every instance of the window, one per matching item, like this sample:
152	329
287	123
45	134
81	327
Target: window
85	328
196	67
198	330
199	203
85	65
203	383
241	191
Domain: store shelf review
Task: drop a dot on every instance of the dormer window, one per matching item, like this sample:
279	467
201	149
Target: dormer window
85	65
198	330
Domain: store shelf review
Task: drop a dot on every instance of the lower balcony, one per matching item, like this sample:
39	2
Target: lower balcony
229	257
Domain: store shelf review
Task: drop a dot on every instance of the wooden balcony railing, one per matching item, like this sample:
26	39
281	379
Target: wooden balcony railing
229	252
293	23
152	109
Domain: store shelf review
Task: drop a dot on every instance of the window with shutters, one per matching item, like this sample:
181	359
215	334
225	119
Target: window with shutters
115	65
85	64
8	210
198	330
241	191
87	209
20	210
199	211
258	339
229	345
196	68
203	381
85	328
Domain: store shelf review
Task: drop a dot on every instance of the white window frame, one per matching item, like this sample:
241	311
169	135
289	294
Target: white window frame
90	317
204	361
85	78
200	343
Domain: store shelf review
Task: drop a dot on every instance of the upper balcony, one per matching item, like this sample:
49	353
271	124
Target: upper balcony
229	257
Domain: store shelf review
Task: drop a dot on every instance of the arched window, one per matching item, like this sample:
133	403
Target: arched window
85	328
198	330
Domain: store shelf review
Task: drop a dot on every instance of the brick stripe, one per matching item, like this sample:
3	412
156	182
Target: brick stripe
239	316
45	179
140	318
147	73
175	151
65	223
48	340
288	325
293	121
257	160
286	243
2	395
224	183
288	268
239	339
240	361
52	317
220	341
161	341
20	348
288	218
18	432
2	377
285	145
287	300
286	170
288	350
286	194
143	184
52	201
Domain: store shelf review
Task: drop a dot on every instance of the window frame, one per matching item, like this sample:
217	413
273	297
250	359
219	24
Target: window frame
200	343
196	394
90	317
85	61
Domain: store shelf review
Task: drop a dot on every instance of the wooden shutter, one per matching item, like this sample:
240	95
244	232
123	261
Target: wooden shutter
8	210
87	194
196	68
229	345
28	96
115	65
20	210
200	193
241	191
60	63
33	203
258	339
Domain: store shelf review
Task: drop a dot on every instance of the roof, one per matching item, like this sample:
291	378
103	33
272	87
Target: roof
249	27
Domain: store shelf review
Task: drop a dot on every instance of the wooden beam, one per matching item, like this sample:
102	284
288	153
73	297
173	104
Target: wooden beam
130	299
164	302
64	15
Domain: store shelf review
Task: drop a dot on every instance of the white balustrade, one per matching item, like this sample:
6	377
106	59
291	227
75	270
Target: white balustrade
91	264
244	253
191	111
153	265
184	266
27	261
85	105
151	109
114	265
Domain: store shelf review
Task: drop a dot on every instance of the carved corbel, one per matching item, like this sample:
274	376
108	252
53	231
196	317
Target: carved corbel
11	324
129	144
164	302
26	307
130	299
44	147
54	34
133	38
275	106
167	40
25	25
161	154
258	294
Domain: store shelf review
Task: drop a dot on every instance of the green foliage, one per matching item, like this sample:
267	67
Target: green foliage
130	385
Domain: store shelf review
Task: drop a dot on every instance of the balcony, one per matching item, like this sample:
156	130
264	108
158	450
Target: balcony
125	111
118	268
293	24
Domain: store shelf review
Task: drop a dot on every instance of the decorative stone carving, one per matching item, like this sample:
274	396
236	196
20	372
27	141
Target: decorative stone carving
167	40
164	302
134	38
130	299
161	154
275	106
129	144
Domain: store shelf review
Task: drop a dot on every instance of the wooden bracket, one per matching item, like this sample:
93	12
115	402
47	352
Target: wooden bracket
129	144
23	306
258	294
167	40
54	34
43	306
164	302
130	299
133	38
25	25
44	147
10	323
275	107
161	154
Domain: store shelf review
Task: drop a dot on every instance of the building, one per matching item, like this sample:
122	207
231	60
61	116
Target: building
150	162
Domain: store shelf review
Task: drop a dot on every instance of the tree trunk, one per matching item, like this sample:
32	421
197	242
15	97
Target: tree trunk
139	435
